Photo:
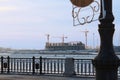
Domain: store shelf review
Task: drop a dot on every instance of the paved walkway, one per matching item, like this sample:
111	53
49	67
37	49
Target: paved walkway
31	77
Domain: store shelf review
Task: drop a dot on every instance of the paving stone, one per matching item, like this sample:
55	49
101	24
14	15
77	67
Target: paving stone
32	77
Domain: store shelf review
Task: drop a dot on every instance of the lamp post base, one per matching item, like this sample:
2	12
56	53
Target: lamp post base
106	70
106	62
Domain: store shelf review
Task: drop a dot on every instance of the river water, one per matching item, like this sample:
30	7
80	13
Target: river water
27	55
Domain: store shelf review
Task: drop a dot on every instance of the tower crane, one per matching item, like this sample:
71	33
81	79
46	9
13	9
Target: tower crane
86	32
62	37
48	37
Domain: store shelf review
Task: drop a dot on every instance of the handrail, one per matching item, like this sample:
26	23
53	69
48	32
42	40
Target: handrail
82	67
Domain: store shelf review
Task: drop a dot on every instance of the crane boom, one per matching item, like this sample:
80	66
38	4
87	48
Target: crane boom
62	37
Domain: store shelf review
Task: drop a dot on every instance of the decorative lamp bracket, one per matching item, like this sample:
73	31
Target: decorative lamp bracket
86	11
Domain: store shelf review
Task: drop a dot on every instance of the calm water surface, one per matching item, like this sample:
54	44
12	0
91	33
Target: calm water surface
86	56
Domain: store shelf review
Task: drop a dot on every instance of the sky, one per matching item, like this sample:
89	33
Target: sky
25	23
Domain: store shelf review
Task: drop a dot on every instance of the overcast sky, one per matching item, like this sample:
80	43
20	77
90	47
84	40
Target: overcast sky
25	23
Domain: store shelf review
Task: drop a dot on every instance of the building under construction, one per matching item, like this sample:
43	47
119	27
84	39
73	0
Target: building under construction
65	46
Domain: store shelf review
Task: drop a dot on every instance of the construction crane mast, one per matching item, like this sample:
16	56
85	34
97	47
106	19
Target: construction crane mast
48	38
63	37
86	32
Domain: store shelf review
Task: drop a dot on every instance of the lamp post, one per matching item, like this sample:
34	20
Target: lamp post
106	62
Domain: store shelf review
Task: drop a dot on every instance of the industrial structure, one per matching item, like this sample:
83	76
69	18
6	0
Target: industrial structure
86	32
65	46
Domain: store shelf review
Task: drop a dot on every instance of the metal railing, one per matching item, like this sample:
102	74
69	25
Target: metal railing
82	67
53	65
32	65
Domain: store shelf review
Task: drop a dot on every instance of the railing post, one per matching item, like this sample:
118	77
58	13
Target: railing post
33	66
1	64
40	65
69	67
8	60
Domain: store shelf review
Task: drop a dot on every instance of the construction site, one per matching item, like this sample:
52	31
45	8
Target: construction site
65	46
75	45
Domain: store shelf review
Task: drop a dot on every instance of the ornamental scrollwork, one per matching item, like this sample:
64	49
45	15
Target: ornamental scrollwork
83	15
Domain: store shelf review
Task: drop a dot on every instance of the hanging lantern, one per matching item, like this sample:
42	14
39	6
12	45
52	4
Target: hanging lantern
5	65
37	65
81	3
